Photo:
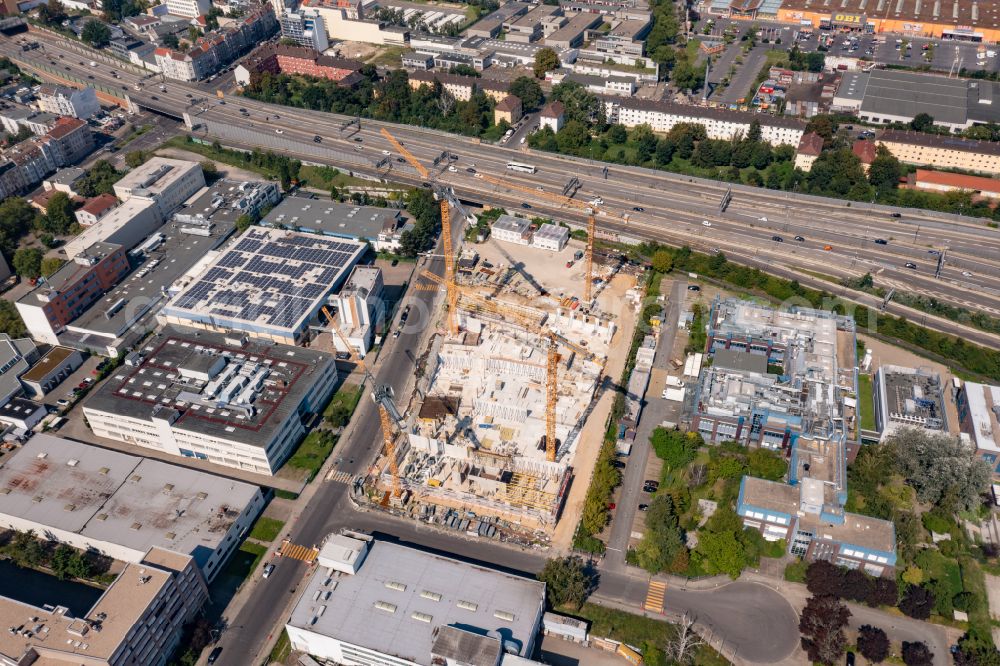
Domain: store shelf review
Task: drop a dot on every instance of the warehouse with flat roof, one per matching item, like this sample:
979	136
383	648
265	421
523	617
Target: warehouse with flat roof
230	400
400	601
122	505
269	284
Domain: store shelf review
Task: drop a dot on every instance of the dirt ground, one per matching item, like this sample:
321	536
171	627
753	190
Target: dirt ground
993	593
548	269
592	434
357	50
885	354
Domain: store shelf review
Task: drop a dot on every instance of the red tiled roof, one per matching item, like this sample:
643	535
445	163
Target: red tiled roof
957	181
65	126
553	110
100	204
811	144
865	150
509	103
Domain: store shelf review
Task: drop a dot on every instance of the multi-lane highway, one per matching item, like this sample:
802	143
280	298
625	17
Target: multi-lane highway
660	206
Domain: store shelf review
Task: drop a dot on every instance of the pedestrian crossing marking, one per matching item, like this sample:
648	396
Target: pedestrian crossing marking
338	476
654	596
297	552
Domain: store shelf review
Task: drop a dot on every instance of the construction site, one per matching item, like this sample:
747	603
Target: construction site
496	428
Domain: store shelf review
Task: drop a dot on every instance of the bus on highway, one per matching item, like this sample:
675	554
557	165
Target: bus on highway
517	166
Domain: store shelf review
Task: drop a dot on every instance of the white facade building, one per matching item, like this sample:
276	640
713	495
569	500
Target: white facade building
167	182
188	8
227	400
358	305
550	237
718	123
510	229
305	26
64	101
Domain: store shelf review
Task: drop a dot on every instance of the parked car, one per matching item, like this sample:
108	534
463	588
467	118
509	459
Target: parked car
693	287
214	655
268	568
643	507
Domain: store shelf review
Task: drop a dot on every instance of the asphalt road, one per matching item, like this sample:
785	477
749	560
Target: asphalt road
673	206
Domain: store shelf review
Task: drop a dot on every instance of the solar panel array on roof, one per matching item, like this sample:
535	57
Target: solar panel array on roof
270	277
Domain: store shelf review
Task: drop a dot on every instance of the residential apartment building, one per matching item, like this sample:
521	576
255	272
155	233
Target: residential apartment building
70	140
228	399
552	116
458	86
219	47
94	210
944	181
809	149
284	59
167	182
38	122
28	163
65	101
305	27
507	110
979	420
718	123
942	152
64	295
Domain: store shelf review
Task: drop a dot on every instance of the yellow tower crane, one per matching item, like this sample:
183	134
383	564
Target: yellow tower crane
449	248
387	411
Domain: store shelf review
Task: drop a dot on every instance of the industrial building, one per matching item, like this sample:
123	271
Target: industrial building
162	264
776	376
270	285
377	602
382	227
230	400
359	308
892	95
908	397
124	225
979	420
122	505
16	357
785	380
510	229
167	182
137	620
67	293
52	369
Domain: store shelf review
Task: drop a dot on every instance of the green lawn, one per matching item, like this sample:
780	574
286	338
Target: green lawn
281	650
341	407
225	156
266	529
313	450
324	178
243	563
390	57
866	403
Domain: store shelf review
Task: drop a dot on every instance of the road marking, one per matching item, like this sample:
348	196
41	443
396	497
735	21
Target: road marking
297	552
338	476
654	596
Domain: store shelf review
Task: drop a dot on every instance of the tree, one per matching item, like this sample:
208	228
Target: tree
52	12
873	644
822	627
663	545
885	170
100	179
170	40
939	466
663	261
528	91
617	134
722	552
545	61
210	169
922	122
766	464
28	262
58	214
917	602
917	654
50	265
567	581
243	222
682	647
96	33
16	218
10	320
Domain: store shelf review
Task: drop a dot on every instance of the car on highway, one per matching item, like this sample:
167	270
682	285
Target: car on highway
827	247
90	76
881	241
526	206
596	201
401	160
154	98
895	215
966	274
706	223
452	168
763	219
638	209
189	96
777	239
214	655
279	131
317	139
470	170
934	252
800	239
358	139
911	265
386	152
268	569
